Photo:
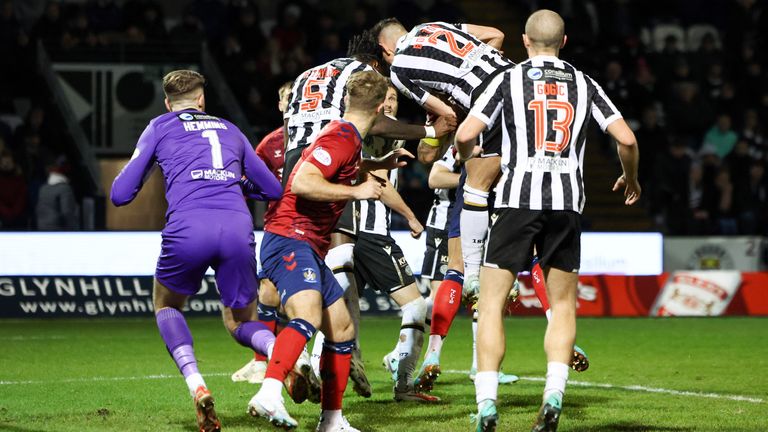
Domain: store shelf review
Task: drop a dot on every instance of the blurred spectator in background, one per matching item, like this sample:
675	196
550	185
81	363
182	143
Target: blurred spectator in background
56	208
288	33
670	202
752	201
13	193
721	136
654	139
50	27
689	113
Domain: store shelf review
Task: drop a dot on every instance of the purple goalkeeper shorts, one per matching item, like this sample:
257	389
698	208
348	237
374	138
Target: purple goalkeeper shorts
193	240
293	266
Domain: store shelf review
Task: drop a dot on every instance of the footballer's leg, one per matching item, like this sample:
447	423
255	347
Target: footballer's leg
445	307
481	175
178	340
335	366
579	359
266	313
558	344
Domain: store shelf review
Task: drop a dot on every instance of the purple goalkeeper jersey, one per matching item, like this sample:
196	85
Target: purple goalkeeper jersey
203	159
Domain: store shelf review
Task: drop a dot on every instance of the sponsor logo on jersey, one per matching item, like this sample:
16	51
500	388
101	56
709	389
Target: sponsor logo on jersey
558	74
321	155
196	174
535	73
548	164
310	276
186	116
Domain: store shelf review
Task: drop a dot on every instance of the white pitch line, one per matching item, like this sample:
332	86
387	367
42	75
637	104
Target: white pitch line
639	388
635	388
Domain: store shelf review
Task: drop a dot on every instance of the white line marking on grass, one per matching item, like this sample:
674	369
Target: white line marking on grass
635	388
639	388
26	338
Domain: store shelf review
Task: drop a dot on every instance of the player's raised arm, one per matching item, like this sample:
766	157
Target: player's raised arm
130	180
394	129
442	177
310	183
483	115
391	198
490	35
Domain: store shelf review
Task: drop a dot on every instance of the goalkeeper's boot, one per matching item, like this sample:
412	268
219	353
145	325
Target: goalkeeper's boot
428	373
549	414
514	293
207	421
580	361
253	372
409	393
272	409
340	426
486	417
296	383
390	363
360	383
471	289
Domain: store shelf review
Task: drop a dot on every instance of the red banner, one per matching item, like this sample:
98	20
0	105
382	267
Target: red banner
642	296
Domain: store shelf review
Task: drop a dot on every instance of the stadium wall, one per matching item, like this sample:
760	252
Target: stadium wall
110	274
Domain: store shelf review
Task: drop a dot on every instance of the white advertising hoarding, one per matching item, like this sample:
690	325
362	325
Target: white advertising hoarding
135	253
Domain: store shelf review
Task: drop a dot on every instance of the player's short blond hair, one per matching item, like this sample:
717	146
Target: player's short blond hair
285	88
179	84
366	91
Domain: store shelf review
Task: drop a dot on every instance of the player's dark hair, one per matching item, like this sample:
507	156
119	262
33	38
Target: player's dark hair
364	48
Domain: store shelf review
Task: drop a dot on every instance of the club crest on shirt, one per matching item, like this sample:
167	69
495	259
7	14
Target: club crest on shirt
535	73
321	155
310	275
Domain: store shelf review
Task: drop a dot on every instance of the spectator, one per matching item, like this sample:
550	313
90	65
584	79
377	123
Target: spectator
752	202
699	222
671	195
57	208
752	133
13	194
653	139
248	31
330	48
616	87
721	136
689	113
712	84
288	33
50	28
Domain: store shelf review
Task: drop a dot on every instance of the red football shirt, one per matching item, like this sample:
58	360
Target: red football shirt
336	153
271	151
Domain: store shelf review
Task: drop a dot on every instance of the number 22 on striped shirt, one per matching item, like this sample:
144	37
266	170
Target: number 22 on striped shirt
539	108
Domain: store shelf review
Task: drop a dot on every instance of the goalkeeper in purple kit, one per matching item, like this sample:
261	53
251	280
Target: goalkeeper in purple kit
202	158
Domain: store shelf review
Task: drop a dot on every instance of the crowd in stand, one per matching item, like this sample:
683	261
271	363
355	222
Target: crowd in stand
690	80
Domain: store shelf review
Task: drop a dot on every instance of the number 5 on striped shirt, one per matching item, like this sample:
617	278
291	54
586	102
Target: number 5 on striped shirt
213	140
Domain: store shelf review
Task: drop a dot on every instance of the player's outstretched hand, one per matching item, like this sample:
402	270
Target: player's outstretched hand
392	161
631	189
444	125
371	188
416	228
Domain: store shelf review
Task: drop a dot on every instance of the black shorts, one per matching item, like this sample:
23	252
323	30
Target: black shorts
490	141
514	232
291	159
436	255
380	262
347	223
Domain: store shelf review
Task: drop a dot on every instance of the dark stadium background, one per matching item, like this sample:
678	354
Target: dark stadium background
689	76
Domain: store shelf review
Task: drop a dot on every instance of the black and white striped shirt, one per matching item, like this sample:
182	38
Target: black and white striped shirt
375	217
317	98
545	105
438	214
445	58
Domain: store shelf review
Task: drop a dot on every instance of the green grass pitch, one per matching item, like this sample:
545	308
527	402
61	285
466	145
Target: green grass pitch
115	375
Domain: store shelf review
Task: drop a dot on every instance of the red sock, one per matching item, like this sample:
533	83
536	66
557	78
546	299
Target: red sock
447	303
537	276
288	347
271	325
334	371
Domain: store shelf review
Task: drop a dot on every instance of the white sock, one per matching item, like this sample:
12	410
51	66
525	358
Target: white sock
272	388
342	258
411	340
317	351
474	225
331	417
486	386
557	375
474	340
435	345
548	314
194	381
428	317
